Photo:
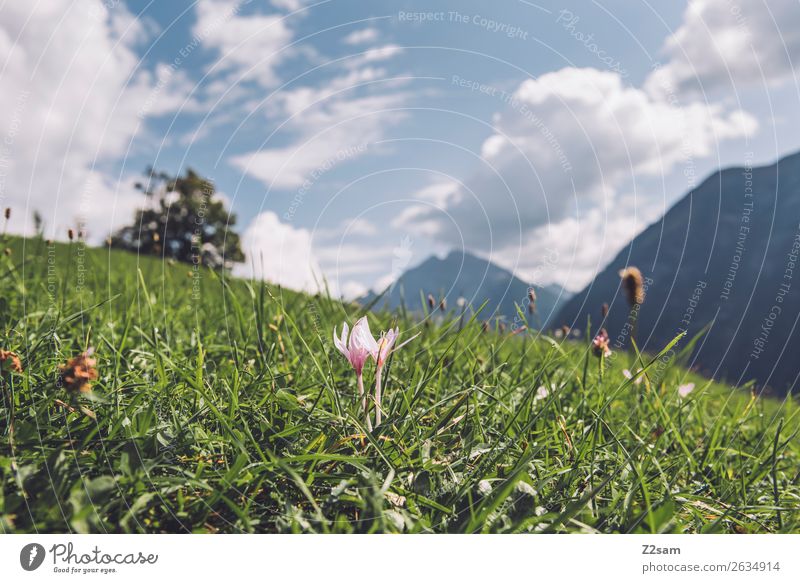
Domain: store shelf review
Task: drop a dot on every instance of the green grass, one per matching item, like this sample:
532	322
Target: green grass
224	407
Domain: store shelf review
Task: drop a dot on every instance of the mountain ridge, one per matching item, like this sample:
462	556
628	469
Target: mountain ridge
461	274
718	258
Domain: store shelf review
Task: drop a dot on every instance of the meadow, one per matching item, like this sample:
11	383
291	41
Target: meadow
222	405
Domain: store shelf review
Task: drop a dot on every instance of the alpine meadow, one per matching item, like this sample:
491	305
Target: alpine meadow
142	395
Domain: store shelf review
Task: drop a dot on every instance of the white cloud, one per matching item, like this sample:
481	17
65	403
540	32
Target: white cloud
288	5
330	125
572	251
730	45
353	290
74	97
350	258
361	36
250	46
283	254
373	55
279	253
566	143
349	227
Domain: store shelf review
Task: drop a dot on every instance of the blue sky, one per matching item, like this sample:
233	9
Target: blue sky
355	138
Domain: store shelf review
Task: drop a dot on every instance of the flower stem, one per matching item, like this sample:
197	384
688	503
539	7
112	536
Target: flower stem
363	396
378	375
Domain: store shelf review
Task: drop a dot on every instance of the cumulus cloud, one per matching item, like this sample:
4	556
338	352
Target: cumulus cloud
730	45
289	5
283	254
329	125
361	36
249	46
571	251
74	97
565	143
279	253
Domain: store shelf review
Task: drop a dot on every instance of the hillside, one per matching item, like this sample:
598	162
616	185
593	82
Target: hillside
724	256
463	275
224	406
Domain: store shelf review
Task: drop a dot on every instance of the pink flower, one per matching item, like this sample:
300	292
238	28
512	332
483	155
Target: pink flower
385	343
600	344
360	346
385	347
357	349
685	389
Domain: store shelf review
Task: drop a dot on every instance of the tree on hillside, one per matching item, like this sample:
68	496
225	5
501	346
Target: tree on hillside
183	220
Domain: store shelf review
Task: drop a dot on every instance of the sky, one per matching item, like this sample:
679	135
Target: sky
354	139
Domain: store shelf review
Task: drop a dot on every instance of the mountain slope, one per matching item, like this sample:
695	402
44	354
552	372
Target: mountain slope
725	255
476	280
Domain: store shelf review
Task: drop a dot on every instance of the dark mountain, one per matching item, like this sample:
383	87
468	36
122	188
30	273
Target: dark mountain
462	275
726	256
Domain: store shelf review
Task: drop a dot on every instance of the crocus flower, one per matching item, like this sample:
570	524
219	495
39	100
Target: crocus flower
685	389
360	346
357	349
385	347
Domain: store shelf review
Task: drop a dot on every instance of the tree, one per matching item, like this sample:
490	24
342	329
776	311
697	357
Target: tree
182	220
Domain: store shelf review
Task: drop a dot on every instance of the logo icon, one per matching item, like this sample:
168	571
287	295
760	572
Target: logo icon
31	556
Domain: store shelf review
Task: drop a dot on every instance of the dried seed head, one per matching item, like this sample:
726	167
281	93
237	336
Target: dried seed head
604	310
633	283
109	241
10	362
77	374
431	302
8	212
443	305
565	330
501	327
485	327
71	234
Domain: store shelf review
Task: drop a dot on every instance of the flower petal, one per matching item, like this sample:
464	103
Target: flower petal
341	344
362	337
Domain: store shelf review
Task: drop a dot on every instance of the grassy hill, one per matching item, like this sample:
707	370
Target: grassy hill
224	407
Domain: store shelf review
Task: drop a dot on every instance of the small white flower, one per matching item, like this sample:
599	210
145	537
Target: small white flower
685	389
484	487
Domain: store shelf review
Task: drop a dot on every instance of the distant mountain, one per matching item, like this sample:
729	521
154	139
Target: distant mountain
462	275
725	255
